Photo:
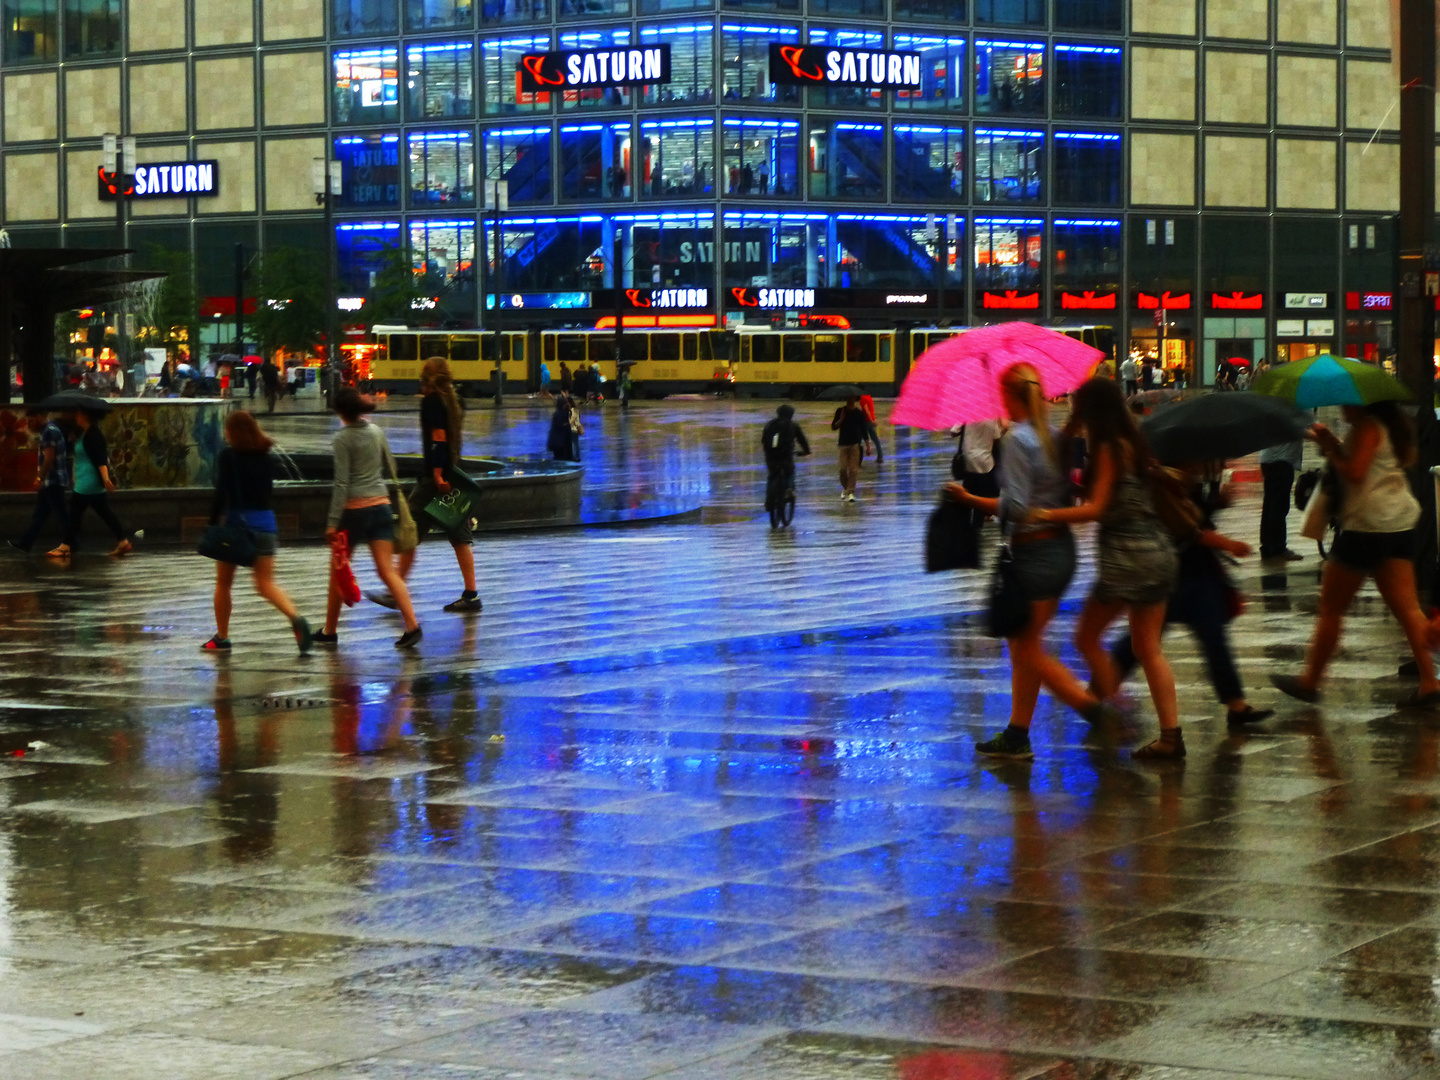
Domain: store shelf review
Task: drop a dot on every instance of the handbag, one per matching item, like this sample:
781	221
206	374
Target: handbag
1177	511
450	509
407	535
345	584
1009	610
228	544
1317	516
951	540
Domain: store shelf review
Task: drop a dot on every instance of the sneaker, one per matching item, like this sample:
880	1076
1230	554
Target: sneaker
16	547
850	497
842	496
217	644
1008	744
303	637
1247	715
322	638
384	599
465	603
1289	684
409	639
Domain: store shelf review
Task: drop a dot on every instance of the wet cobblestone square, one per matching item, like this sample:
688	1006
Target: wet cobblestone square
690	799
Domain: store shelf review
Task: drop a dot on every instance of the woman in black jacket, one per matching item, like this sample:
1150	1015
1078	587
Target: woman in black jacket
244	476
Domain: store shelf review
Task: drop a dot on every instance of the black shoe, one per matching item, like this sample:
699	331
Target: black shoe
1409	670
322	638
1010	743
1292	556
1289	684
1247	715
384	599
465	603
1162	749
16	547
409	639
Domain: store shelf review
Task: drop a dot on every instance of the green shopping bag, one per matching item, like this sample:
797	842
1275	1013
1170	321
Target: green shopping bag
449	509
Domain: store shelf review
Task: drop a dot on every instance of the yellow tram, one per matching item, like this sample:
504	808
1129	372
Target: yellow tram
402	351
662	361
800	363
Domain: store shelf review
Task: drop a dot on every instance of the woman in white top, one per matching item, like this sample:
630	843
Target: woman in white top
1376	539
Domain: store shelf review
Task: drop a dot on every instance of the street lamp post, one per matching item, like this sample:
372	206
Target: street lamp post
325	180
497	200
118	153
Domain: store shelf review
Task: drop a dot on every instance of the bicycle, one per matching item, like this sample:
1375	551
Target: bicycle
780	494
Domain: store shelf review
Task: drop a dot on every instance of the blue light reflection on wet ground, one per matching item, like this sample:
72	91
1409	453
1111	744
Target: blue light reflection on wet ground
691	800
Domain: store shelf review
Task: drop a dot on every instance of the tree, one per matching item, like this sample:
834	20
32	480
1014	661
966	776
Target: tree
167	309
290	311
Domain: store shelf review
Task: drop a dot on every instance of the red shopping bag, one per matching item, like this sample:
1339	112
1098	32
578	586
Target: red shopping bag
340	570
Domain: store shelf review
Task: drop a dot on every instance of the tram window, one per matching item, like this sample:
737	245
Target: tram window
434	346
715	345
829	349
885	349
798	348
664	346
689	343
860	348
572	350
402	347
766	349
518	346
487	348
547	348
602	349
465	348
635	347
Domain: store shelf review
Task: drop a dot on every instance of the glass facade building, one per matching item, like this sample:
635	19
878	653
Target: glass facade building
1194	174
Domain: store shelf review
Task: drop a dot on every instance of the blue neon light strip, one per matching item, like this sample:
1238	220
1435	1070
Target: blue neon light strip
992	133
1009	221
783	31
1074	224
1089	135
1099	50
1028	46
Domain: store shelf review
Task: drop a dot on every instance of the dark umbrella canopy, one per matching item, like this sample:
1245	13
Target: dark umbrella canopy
1219	426
75	399
840	392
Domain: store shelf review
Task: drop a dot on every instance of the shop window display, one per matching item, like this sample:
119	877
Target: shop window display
521	156
929	163
1009	166
942	72
1009	253
442	169
677	158
364	18
595	161
692	65
369	172
440	80
846	160
745	63
366	88
760	158
615	97
499	61
1009	78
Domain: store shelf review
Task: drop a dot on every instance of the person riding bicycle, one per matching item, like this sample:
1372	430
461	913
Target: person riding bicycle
778	441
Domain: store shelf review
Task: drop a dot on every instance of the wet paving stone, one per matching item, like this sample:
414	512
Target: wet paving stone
690	800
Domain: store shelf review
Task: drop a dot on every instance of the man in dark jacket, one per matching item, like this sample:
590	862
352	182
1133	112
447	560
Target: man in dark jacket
270	377
778	442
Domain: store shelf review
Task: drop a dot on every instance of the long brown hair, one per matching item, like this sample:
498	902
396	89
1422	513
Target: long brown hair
1022	381
1099	407
242	431
435	378
1400	428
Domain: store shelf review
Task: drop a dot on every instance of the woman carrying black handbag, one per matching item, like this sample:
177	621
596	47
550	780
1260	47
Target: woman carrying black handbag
1035	568
244	477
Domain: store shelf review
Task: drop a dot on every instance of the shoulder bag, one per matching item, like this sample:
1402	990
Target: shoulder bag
407	536
228	544
1009	611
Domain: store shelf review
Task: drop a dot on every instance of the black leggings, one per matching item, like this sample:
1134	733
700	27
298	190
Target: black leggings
101	505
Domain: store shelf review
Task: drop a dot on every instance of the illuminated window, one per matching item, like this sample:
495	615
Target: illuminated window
369	171
1087	255
760	158
596	98
367	86
442	169
692	65
884	251
847	97
775	250
595	161
1088	81
847	160
1008	253
677	158
1009	78
942	72
499	63
357	18
929	163
440	80
363	249
1009	166
521	156
1088	168
745	63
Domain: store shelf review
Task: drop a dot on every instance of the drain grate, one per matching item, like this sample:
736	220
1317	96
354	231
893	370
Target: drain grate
287	702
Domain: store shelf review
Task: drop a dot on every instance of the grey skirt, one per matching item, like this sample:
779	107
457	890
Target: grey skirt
1135	570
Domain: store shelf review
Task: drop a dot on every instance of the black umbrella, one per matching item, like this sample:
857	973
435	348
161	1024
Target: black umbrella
1217	426
75	399
840	392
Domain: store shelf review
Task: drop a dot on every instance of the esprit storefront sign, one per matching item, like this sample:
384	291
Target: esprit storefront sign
177	180
594	69
875	69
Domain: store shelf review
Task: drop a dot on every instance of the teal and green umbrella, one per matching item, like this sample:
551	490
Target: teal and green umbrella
1330	380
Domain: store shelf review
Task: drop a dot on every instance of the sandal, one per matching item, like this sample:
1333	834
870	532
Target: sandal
217	644
1165	748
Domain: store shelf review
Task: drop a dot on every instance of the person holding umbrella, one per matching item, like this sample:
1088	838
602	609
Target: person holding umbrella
849	421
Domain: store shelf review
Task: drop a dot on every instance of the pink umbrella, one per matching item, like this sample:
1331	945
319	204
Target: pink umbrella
958	381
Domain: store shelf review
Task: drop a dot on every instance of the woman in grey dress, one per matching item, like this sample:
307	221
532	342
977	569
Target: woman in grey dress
1137	565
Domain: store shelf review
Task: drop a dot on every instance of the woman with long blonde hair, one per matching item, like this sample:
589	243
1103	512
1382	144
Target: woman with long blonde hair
1032	479
441	425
